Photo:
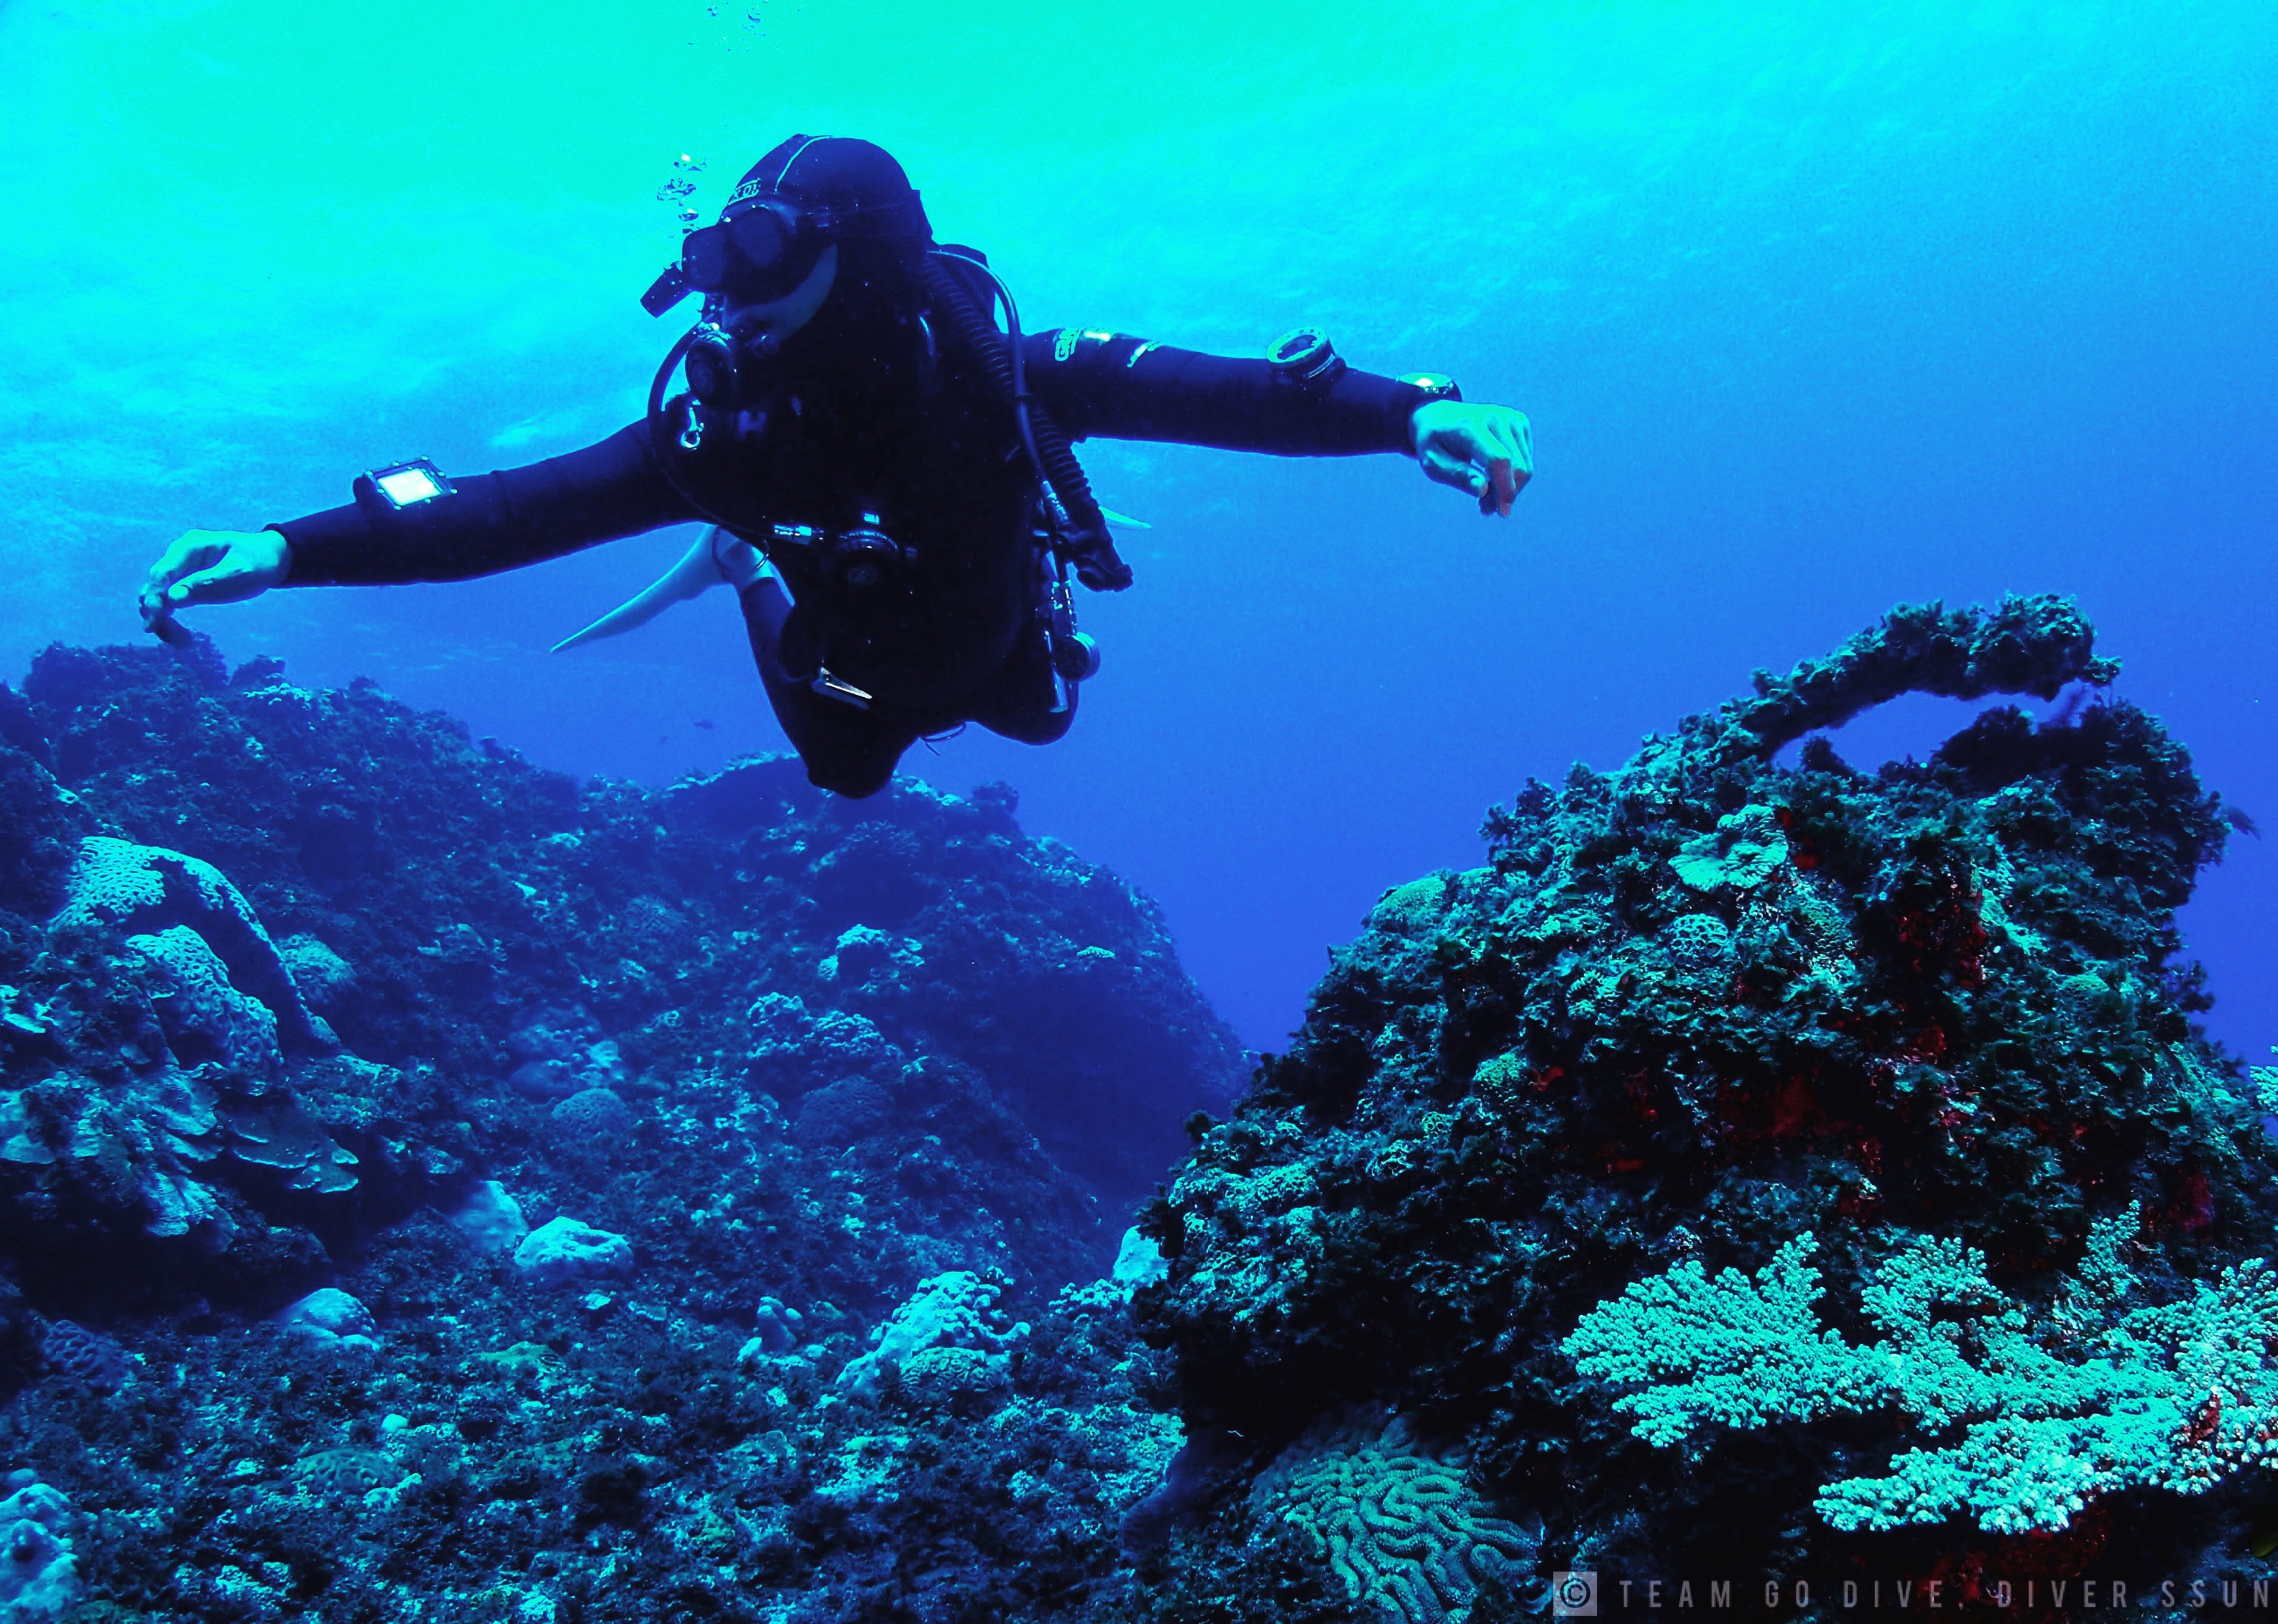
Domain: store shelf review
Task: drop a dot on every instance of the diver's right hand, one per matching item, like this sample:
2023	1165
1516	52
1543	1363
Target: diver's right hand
212	566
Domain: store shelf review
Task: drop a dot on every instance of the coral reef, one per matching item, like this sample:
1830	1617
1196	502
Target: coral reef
711	1204
1933	1018
321	1018
954	1311
478	934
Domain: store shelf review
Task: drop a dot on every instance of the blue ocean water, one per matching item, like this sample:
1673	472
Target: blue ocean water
1816	307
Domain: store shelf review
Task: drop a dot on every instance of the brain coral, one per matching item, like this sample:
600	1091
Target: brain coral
597	1114
88	1356
117	880
1395	1520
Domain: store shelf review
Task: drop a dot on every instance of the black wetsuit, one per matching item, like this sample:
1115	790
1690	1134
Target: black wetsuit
950	636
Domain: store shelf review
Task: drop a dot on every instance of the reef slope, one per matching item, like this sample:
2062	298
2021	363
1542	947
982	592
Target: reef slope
433	1187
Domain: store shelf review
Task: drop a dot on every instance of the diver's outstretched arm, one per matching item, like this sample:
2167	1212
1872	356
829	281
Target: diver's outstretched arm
487	522
1113	385
482	524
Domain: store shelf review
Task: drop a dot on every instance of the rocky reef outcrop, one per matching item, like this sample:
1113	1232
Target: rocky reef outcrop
1773	1173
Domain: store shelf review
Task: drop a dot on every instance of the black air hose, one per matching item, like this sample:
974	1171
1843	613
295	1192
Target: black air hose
1088	546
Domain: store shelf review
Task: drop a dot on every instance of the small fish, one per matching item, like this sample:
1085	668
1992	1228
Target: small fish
706	724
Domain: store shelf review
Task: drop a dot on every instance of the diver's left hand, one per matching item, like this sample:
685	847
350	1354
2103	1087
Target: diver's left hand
1485	450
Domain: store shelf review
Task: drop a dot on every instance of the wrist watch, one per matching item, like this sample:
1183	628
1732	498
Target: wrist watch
1434	386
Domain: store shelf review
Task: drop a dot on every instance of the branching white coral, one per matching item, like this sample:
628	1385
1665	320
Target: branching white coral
2081	1400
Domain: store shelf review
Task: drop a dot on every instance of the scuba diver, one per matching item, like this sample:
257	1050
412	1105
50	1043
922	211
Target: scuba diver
885	473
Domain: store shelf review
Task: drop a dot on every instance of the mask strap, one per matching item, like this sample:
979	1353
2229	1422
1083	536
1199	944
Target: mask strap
776	186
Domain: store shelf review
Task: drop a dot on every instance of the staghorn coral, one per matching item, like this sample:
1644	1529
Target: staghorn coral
1396	1521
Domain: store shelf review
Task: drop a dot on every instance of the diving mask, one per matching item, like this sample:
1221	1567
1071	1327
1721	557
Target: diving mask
766	247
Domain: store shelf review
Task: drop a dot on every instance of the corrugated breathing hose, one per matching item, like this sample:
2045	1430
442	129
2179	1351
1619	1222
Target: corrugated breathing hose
1086	541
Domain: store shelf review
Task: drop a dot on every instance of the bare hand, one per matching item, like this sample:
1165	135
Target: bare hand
211	567
1485	450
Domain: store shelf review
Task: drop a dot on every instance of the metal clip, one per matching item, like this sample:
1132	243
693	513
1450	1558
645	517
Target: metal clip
692	436
838	687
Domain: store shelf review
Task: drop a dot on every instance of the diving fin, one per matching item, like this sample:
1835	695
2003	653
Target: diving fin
701	569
